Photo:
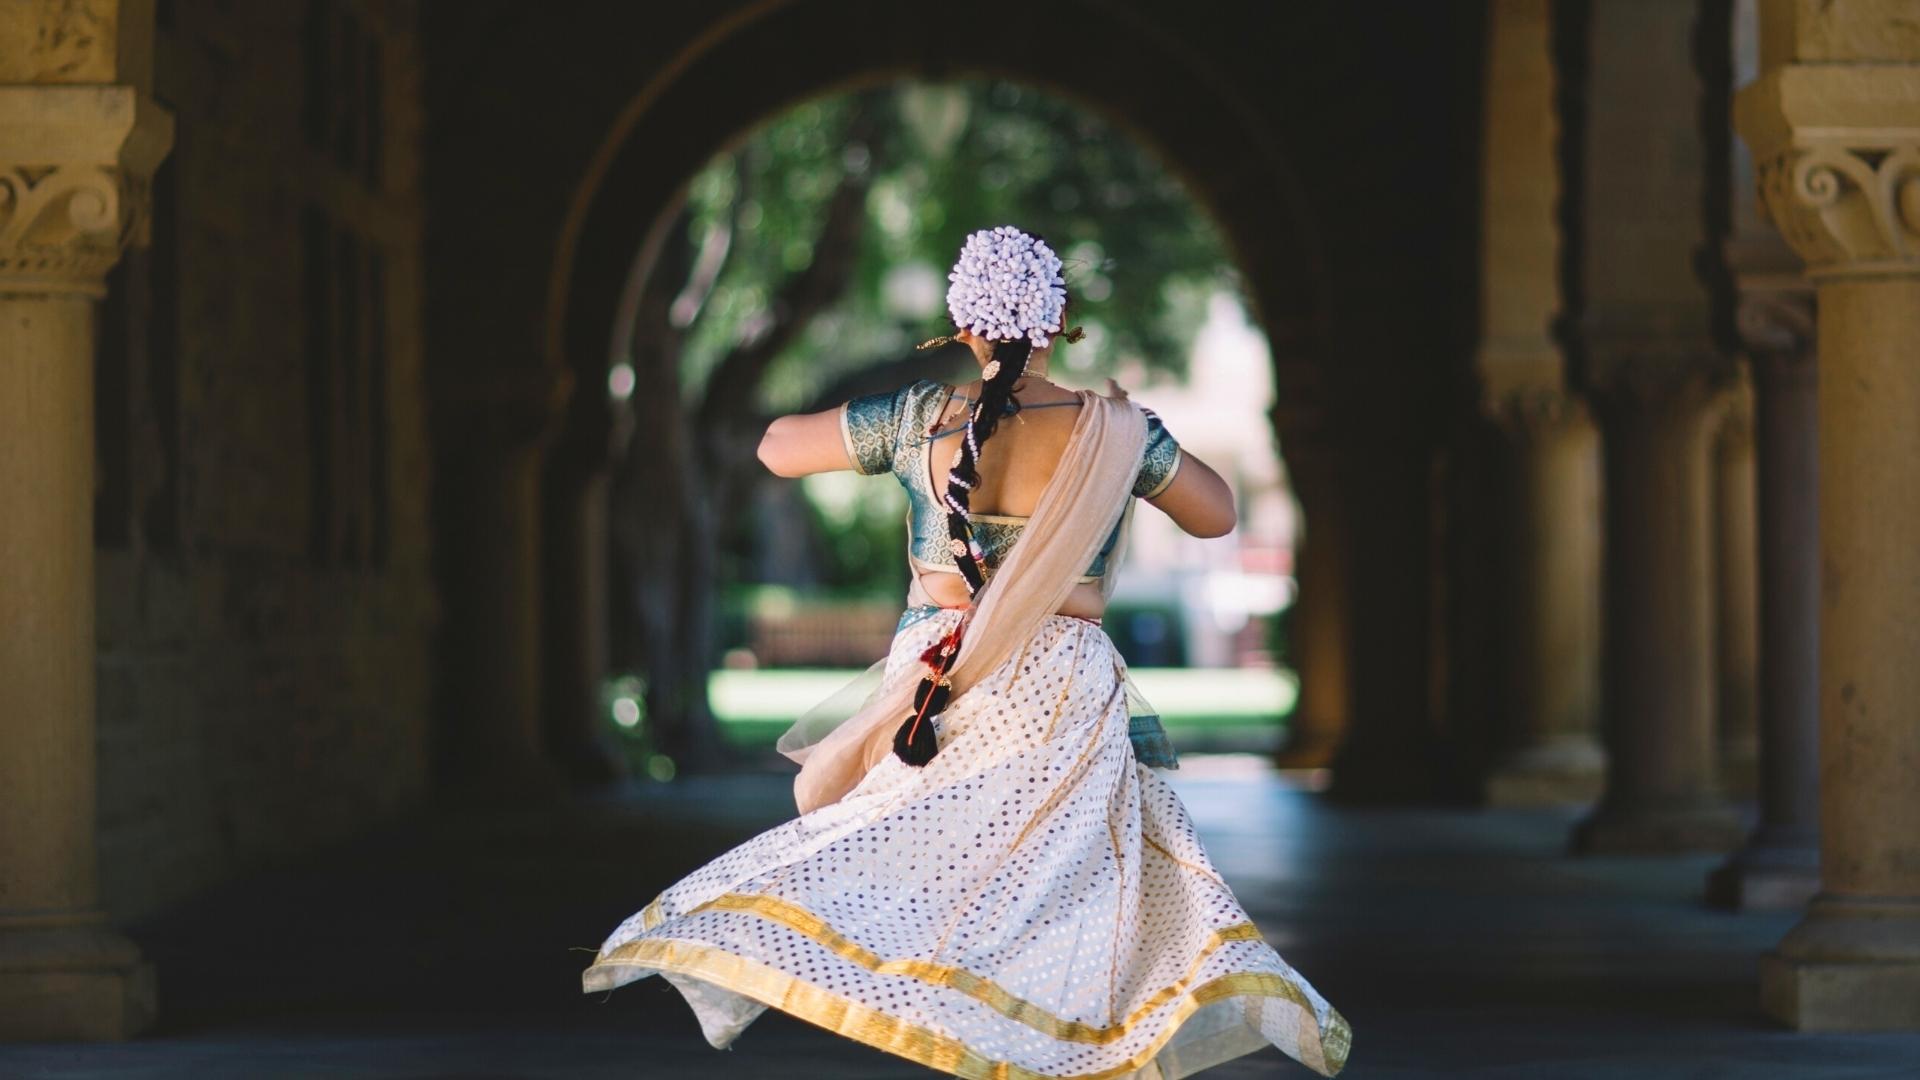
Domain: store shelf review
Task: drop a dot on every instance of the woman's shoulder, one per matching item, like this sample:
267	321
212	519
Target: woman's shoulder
898	399
925	388
875	425
921	399
905	394
1159	458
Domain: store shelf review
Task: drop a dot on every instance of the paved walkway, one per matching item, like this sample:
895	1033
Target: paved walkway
1457	943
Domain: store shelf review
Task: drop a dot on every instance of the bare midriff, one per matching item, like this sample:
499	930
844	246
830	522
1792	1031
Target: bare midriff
1083	602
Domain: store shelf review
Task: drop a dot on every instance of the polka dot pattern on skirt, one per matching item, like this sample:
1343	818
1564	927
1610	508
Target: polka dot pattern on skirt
1033	902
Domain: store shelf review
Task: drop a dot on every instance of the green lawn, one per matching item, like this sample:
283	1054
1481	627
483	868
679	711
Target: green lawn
754	707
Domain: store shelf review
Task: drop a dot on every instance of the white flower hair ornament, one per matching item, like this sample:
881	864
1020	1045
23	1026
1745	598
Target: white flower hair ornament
1007	284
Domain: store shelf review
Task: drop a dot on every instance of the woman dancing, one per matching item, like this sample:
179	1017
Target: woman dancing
987	876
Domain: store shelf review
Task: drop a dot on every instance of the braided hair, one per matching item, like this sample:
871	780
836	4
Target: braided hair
1006	289
1009	362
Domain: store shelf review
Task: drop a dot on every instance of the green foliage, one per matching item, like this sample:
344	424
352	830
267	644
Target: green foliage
940	161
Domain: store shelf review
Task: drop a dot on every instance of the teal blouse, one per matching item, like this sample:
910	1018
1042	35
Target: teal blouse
888	432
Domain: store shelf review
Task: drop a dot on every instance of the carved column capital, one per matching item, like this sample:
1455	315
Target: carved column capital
1775	314
1534	415
1659	391
1777	320
62	227
1663	355
1849	210
1836	151
75	164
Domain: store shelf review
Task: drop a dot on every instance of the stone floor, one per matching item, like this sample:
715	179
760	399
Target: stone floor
1456	942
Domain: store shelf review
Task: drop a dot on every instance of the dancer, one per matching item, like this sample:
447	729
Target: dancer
987	875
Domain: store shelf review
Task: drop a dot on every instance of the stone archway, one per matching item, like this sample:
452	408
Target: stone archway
696	104
666	133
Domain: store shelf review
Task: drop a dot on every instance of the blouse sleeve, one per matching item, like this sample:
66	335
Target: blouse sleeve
870	428
1158	462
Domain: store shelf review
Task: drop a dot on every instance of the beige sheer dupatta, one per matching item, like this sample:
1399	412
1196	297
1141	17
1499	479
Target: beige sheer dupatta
1089	491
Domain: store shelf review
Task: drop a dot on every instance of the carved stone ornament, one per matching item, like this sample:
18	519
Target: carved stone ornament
75	169
62	227
1775	315
1848	210
1539	414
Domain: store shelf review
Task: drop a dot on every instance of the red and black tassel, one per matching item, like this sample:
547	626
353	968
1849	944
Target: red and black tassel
914	742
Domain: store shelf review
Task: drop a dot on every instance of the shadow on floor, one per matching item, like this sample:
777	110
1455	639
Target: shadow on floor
1456	943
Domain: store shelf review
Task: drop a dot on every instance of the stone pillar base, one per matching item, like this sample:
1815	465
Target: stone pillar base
1813	996
1571	769
1741	886
1702	826
61	983
1853	964
1778	870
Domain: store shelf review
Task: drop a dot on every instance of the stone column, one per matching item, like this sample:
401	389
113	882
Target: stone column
1391	752
1834	129
75	161
1322	615
1779	868
1652	370
577	587
492	431
1549	609
1736	624
1660	792
1552	609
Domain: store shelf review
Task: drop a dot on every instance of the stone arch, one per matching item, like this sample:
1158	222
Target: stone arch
745	67
697	104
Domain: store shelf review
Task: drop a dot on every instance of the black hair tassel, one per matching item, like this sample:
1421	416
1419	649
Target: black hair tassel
914	743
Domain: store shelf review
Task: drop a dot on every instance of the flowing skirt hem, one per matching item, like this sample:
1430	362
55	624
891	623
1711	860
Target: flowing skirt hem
1032	904
1217	1021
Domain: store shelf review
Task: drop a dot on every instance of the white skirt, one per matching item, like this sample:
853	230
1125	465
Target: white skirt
1033	902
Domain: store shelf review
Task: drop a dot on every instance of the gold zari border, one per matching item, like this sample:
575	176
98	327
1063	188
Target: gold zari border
1178	861
652	953
877	1029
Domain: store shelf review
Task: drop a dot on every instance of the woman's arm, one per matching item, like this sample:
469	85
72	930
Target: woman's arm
803	443
1197	499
